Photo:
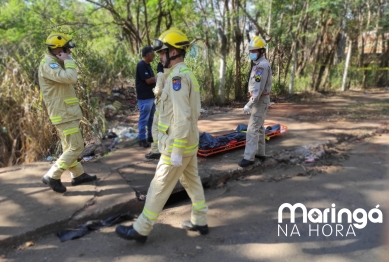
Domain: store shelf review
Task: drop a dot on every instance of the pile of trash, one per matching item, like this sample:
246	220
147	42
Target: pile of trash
119	101
108	142
307	153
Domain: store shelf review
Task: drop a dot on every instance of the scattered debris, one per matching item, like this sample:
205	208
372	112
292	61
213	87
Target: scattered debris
87	158
310	160
29	244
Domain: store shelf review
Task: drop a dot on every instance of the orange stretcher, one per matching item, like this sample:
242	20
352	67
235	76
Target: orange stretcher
237	144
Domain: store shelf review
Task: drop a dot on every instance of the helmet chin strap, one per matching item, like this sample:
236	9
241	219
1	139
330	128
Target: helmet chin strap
51	51
169	59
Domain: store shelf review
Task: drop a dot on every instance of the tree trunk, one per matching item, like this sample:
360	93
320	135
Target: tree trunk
383	78
344	80
238	39
146	23
222	77
317	73
383	75
210	68
325	82
223	65
293	70
300	63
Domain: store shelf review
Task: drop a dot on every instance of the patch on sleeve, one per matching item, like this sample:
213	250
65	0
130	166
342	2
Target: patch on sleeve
54	65
176	83
258	74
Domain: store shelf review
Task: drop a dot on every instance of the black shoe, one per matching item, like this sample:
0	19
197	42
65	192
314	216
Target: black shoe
129	233
153	155
245	163
54	184
262	158
82	179
150	139
189	226
143	143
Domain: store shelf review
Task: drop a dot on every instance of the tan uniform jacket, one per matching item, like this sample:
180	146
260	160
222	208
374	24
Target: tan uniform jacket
260	78
56	80
179	111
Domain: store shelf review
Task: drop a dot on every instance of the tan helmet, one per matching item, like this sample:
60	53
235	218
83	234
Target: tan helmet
56	39
172	37
257	43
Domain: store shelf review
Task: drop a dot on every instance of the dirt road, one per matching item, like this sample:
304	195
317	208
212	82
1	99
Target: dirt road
243	214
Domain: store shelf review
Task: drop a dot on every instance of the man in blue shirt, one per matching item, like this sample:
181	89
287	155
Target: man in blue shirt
145	82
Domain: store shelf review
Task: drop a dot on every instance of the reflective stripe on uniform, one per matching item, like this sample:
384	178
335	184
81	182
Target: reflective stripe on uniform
162	127
188	149
75	163
199	205
192	77
166	160
150	215
195	82
43	61
184	70
62	165
71	100
180	143
70	131
70	65
56	119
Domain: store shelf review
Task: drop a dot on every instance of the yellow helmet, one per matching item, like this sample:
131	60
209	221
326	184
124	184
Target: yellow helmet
173	38
257	43
56	39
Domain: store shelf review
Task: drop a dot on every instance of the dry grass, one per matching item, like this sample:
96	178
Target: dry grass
26	132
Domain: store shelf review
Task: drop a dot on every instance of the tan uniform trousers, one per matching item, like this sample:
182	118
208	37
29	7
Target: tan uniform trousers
154	130
72	146
161	187
255	136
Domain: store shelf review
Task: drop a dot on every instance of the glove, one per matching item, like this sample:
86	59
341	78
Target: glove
247	110
176	160
247	107
254	99
159	85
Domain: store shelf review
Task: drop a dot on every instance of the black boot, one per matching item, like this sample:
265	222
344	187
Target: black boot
54	184
129	233
152	155
189	226
262	158
143	143
82	179
245	163
150	139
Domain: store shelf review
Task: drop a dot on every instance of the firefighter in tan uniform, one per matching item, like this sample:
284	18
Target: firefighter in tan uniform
178	139
57	75
259	87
